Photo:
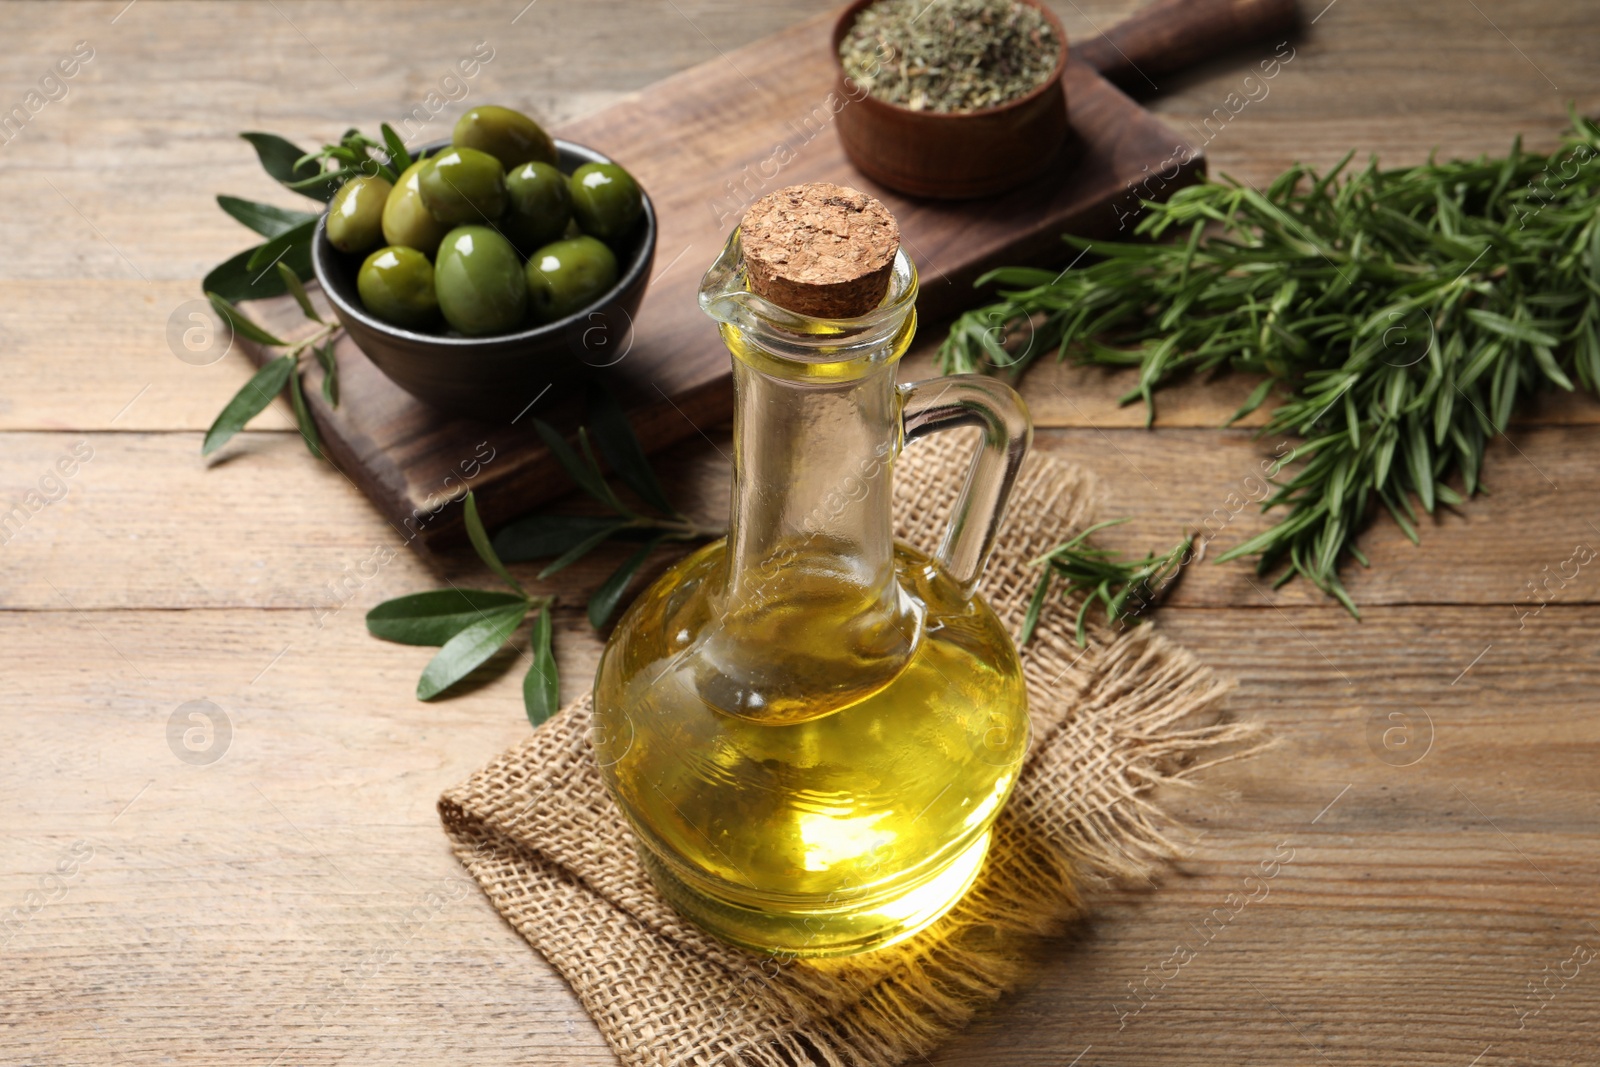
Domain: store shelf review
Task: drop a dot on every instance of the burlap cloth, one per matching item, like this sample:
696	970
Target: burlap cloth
1110	723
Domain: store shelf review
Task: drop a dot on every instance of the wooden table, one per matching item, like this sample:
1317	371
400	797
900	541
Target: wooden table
294	902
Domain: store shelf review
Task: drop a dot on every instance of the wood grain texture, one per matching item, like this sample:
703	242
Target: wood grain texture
294	902
1168	482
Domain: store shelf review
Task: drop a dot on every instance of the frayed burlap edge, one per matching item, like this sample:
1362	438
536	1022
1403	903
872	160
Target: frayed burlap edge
1112	722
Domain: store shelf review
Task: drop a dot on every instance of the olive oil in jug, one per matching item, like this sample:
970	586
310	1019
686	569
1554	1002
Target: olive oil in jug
810	727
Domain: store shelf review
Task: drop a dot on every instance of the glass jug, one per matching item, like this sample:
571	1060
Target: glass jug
810	727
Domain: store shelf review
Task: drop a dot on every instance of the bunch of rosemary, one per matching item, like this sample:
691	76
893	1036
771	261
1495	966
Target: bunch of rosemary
1401	313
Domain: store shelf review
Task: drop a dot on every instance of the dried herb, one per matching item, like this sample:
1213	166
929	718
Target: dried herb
949	55
1126	589
1401	314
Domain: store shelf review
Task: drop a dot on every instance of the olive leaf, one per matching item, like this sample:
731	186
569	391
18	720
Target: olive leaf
298	258
274	267
351	159
541	690
469	649
248	402
238	282
603	604
240	323
291	282
583	548
569	538
472	625
235	282
256	395
338	151
399	158
277	266
284	162
328	182
265	219
278	247
615	439
330	372
580	469
483	546
434	617
357	141
279	157
302	416
543	536
610	497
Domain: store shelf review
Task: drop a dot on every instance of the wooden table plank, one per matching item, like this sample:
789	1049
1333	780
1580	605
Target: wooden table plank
303	538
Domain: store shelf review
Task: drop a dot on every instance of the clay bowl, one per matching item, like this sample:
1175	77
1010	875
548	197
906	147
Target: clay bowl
498	377
955	155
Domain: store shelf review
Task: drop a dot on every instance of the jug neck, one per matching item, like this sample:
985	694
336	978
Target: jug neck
816	430
811	618
812	465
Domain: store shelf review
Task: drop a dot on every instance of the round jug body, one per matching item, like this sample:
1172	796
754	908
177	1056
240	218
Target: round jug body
810	834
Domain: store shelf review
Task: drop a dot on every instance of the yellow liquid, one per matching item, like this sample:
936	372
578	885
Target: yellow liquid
820	828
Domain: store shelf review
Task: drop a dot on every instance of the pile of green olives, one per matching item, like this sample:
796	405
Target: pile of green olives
486	234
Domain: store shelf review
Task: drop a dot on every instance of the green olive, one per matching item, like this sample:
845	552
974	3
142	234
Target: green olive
480	282
406	220
568	276
464	186
509	136
396	285
355	217
605	200
540	205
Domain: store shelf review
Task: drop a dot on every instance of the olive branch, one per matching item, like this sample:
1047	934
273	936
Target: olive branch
471	625
280	265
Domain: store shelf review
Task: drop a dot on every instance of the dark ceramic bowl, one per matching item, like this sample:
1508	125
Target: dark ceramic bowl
497	378
955	155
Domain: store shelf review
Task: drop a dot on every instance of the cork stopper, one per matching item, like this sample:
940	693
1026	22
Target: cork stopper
820	250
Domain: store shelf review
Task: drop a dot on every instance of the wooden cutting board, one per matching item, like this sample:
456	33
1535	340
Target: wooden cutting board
705	143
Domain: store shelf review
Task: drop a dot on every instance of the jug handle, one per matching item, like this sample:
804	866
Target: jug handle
995	408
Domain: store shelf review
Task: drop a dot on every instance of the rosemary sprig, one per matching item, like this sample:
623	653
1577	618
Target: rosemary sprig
1402	314
1126	589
